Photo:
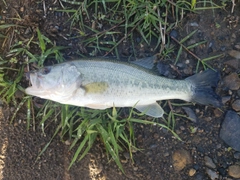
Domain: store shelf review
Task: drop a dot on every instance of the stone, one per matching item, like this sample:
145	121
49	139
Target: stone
234	171
226	99
234	53
213	175
236	105
236	155
229	131
181	158
234	63
191	114
217	113
192	172
231	82
209	162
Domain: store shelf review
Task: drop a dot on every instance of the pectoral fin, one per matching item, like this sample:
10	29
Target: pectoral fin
153	110
96	87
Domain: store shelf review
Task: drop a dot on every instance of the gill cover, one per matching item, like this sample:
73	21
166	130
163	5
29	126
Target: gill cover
51	81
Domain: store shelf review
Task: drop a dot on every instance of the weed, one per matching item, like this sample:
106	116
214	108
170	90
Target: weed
85	125
9	86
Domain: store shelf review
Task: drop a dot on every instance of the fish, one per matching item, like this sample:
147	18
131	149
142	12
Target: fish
106	83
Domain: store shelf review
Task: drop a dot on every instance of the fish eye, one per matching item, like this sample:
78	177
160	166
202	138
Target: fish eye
46	70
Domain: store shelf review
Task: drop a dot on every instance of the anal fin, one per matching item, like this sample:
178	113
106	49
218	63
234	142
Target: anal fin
153	109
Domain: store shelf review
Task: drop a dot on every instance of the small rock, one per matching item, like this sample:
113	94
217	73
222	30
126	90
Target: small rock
231	81
234	53
238	93
229	131
199	176
182	128
209	162
222	171
223	48
217	113
192	172
225	99
163	69
19	94
135	168
194	24
234	171
166	154
233	38
188	70
174	34
212	174
67	142
126	155
180	159
192	116
236	105
234	63
156	135
180	65
152	146
237	155
196	166
237	46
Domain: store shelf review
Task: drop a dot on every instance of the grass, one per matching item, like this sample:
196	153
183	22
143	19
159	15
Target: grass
202	61
102	26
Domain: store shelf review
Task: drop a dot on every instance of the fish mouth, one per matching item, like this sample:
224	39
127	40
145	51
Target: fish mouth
34	89
27	75
33	78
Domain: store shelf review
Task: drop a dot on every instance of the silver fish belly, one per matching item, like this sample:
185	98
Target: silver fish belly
100	84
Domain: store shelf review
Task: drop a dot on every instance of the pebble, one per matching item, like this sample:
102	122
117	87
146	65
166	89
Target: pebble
194	24
126	155
190	114
199	176
225	99
209	162
181	158
234	171
233	37
196	166
19	94
238	93
135	168
166	154
237	46
217	113
222	171
234	63
223	48
192	172
156	135
231	81
174	34
212	174
236	155
234	53
229	131
236	105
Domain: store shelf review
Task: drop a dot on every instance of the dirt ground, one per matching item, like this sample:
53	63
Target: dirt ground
19	148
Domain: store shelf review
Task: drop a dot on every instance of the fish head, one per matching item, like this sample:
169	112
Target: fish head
51	82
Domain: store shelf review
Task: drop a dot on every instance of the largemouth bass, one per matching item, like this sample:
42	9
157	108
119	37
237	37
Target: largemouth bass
101	84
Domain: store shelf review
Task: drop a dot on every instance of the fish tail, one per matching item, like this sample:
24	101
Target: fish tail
204	85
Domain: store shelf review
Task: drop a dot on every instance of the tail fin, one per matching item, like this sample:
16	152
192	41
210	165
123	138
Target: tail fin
203	86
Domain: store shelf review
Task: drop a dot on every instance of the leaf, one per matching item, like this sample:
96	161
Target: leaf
41	41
